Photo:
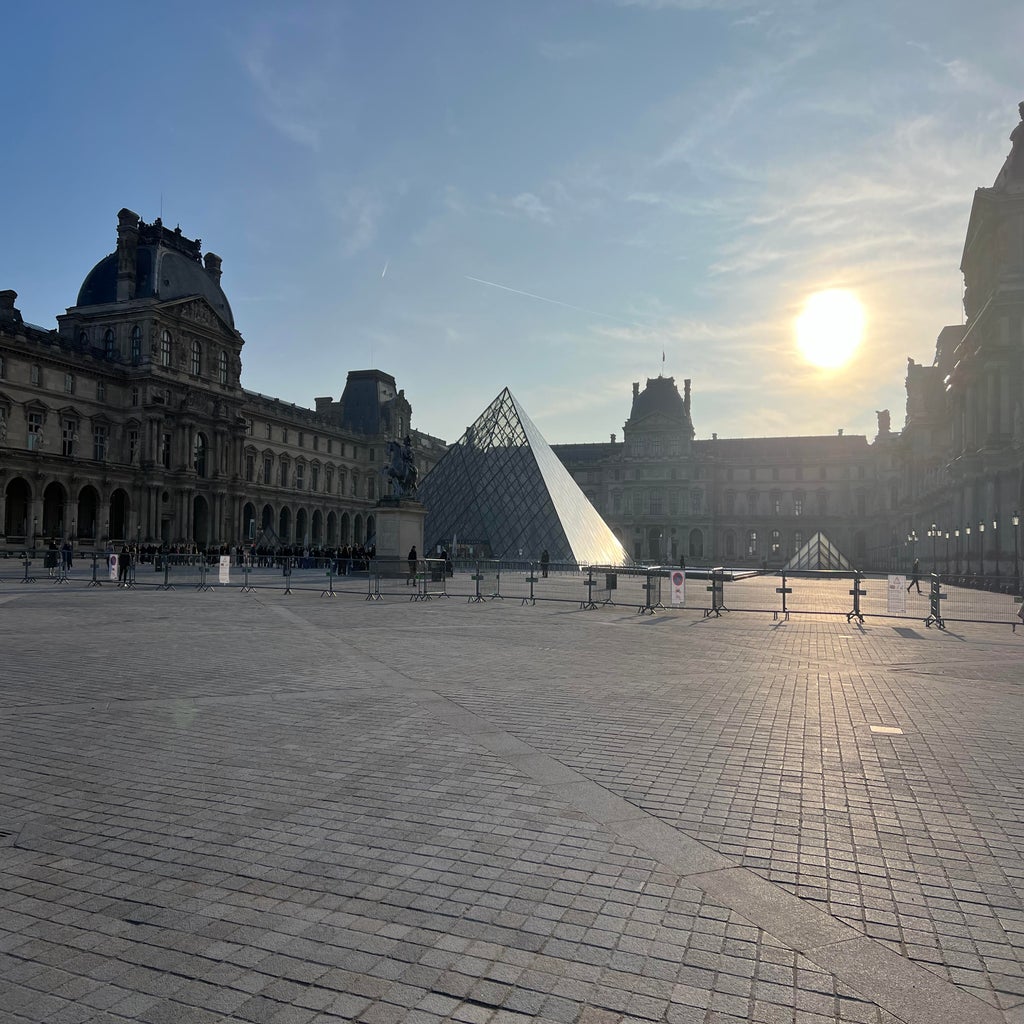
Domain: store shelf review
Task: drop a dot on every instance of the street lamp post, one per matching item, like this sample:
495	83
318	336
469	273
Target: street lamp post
933	533
956	538
967	545
912	541
1015	519
947	552
981	547
995	541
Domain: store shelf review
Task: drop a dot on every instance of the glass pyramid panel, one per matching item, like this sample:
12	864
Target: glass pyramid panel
501	488
818	553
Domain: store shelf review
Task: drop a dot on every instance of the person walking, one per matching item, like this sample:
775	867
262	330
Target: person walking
915	580
124	560
413	557
545	558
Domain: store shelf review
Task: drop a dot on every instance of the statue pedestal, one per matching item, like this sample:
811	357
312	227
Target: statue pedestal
399	524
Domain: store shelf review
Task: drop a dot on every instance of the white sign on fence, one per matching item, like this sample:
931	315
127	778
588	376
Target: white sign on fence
896	596
678	587
112	566
225	568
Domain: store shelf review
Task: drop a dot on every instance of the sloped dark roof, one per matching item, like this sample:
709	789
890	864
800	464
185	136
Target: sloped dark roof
821	446
160	273
661	396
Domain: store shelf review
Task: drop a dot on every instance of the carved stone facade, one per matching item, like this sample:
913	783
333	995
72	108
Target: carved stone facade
129	421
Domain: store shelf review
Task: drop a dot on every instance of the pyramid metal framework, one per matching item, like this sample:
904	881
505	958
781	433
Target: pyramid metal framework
502	489
818	553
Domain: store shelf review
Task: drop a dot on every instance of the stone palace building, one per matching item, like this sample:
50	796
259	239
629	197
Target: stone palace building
129	422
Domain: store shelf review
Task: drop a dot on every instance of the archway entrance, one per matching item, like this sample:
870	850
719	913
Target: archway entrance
345	527
317	532
118	516
88	513
249	521
302	528
284	527
332	529
696	546
54	498
19	501
200	521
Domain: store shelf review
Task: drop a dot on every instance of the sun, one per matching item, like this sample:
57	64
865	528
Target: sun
829	329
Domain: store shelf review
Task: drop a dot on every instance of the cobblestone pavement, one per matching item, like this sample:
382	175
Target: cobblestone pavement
252	807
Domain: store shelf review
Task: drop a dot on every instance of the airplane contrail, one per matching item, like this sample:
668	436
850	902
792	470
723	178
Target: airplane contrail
385	270
554	302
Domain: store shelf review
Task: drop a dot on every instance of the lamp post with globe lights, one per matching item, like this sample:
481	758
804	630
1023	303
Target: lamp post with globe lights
995	542
933	532
967	546
956	545
981	547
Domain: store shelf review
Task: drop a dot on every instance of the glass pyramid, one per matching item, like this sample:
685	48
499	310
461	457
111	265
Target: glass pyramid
501	489
818	553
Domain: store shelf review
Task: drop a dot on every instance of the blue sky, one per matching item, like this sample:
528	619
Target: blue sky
657	175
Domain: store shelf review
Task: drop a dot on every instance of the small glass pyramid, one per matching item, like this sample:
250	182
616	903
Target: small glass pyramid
818	553
501	489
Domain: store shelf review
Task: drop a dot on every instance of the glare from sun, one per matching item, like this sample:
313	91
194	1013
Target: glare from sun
829	330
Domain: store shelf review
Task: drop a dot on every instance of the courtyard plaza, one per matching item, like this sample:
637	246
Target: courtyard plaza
225	806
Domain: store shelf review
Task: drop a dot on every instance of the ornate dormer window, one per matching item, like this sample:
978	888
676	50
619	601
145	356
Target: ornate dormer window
136	354
109	344
222	368
165	348
197	358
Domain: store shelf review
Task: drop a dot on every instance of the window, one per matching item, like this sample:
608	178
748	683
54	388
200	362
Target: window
165	450
373	455
300	475
316	443
250	468
329	480
68	437
284	435
109	344
165	348
133	445
34	440
696	502
99	442
777	504
269	432
776	542
370	486
199	455
798	540
314	478
355	484
222	367
283	478
798	504
135	394
730	503
83	339
69	383
101	391
136	345
656	503
197	358
268	468
302	439
617	501
330	446
751	543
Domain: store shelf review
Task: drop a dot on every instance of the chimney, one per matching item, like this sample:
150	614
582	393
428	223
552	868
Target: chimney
686	395
213	263
7	298
613	439
840	433
883	422
127	244
714	437
636	388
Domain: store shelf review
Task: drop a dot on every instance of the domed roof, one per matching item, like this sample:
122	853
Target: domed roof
167	266
661	396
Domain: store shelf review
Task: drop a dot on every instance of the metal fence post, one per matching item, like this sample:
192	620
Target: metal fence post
202	584
648	588
717	590
477	577
246	587
27	578
589	604
935	599
857	595
166	585
783	590
94	582
531	579
329	592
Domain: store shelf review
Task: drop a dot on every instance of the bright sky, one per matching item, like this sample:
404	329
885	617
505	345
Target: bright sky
657	175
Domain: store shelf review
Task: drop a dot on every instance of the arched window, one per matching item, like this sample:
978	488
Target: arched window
199	459
197	358
222	367
109	344
136	345
751	543
165	348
